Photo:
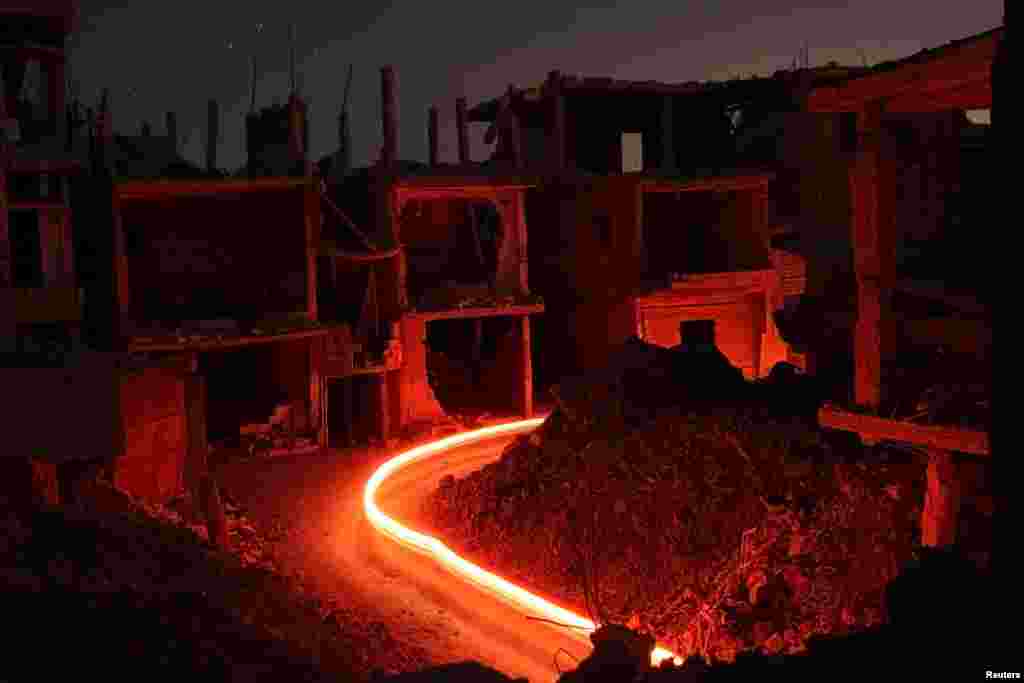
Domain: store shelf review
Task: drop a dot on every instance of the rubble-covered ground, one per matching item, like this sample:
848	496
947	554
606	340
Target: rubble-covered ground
719	529
115	586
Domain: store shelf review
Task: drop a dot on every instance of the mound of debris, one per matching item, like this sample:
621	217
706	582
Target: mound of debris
669	494
923	637
116	584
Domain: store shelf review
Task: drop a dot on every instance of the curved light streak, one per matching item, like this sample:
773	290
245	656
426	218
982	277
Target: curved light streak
510	592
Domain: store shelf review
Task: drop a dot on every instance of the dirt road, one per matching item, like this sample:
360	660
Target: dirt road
316	503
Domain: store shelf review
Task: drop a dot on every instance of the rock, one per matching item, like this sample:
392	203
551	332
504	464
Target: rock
762	631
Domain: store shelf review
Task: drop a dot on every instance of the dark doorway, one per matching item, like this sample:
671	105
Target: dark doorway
473	365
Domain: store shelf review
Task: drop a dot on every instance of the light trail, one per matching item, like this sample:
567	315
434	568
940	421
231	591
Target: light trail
506	590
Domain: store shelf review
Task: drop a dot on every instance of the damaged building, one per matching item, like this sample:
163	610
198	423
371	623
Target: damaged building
181	328
919	174
646	219
425	272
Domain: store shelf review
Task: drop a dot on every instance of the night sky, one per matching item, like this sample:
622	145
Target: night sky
161	56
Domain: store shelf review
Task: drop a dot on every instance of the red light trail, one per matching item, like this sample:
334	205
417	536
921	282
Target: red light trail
509	592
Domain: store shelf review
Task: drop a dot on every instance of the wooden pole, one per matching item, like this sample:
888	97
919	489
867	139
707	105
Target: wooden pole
463	133
390	116
432	128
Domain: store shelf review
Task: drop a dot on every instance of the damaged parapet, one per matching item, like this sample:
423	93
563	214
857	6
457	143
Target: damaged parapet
276	138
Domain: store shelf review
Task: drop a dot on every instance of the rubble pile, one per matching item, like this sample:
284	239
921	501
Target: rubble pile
719	526
459	296
123	585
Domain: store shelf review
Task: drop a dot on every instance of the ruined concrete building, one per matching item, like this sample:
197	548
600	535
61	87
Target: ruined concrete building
39	304
650	214
920	184
191	328
431	260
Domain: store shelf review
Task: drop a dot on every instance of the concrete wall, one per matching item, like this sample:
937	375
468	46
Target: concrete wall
223	256
155	436
418	401
738	328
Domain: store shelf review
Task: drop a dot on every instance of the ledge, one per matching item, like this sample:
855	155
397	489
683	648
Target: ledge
212	343
875	428
477	312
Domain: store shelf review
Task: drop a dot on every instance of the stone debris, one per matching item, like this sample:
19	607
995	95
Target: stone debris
696	509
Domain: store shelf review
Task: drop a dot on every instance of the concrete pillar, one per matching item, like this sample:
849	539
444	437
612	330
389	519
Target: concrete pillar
55	92
389	153
6	262
196	464
172	130
463	133
383	408
212	134
668	145
511	130
8	324
297	135
940	516
432	128
874	263
318	389
558	133
526	368
344	161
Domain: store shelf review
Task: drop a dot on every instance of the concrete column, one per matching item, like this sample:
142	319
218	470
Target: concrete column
432	128
558	133
55	91
318	389
873	250
212	134
8	324
172	130
524	248
384	408
940	516
344	145
389	112
6	262
526	368
463	133
668	145
196	464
